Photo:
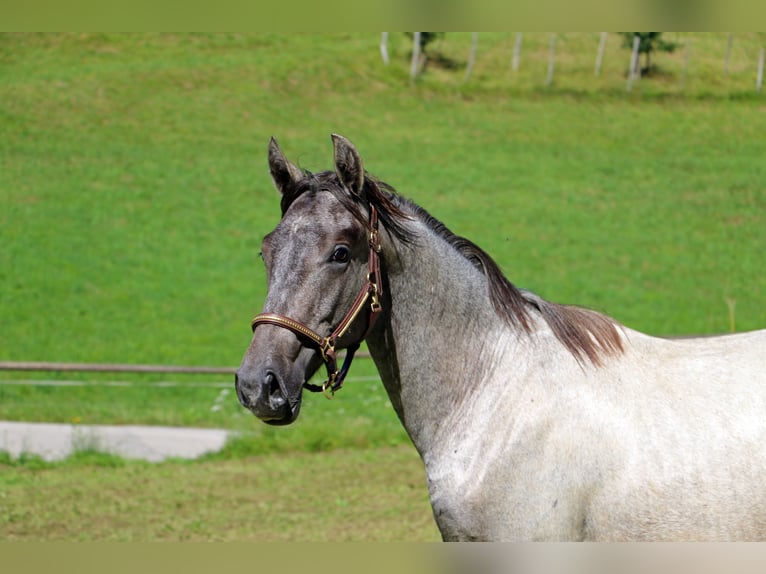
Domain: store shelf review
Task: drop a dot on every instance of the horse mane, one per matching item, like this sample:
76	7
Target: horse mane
587	334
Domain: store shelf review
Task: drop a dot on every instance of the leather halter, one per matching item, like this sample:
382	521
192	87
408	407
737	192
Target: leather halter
369	296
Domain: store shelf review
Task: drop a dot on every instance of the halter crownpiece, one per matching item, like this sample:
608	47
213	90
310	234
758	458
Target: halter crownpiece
369	296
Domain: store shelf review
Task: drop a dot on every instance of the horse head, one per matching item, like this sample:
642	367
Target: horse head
323	283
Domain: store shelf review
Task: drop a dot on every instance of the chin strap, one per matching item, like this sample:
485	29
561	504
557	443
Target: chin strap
368	298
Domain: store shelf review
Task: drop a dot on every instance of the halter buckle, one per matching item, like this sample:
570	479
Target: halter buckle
375	306
375	240
327	348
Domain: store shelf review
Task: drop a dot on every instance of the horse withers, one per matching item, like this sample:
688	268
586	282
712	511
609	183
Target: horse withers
535	421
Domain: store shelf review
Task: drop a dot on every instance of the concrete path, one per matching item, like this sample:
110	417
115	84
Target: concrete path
57	441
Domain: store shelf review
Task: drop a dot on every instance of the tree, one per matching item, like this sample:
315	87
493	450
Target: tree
650	42
427	38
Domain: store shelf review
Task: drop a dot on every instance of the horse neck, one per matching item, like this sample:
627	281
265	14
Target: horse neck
440	334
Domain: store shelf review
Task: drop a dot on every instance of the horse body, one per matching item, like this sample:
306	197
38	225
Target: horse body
521	441
534	421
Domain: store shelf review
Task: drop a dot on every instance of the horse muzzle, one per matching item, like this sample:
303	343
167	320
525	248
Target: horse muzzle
265	394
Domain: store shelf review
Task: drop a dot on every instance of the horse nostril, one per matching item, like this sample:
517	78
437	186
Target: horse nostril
272	383
275	391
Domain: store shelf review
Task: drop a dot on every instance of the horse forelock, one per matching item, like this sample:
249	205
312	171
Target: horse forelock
374	193
590	336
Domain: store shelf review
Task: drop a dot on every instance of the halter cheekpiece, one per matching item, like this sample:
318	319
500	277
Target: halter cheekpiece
368	297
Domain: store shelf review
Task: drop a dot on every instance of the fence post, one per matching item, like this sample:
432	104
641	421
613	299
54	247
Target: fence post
516	52
600	54
384	47
415	56
471	55
759	79
729	42
633	62
551	61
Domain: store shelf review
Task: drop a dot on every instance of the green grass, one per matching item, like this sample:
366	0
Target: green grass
353	495
359	416
135	194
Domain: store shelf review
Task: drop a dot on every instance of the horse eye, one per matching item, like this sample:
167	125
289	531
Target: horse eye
341	254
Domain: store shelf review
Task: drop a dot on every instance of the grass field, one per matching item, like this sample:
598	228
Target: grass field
351	495
135	189
135	194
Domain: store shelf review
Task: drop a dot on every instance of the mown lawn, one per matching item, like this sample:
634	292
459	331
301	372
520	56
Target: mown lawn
135	190
135	193
372	495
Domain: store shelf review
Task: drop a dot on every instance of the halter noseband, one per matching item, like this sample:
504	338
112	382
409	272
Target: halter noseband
370	292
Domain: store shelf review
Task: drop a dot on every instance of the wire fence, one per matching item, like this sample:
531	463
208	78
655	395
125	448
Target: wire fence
734	54
62	367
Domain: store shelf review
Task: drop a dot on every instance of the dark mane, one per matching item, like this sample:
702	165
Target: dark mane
587	334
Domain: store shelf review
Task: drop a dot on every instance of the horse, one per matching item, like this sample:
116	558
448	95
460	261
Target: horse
534	420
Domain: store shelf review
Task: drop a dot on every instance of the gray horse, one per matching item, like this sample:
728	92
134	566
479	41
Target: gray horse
535	421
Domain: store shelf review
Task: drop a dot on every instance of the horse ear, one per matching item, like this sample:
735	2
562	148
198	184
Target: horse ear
284	173
348	164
